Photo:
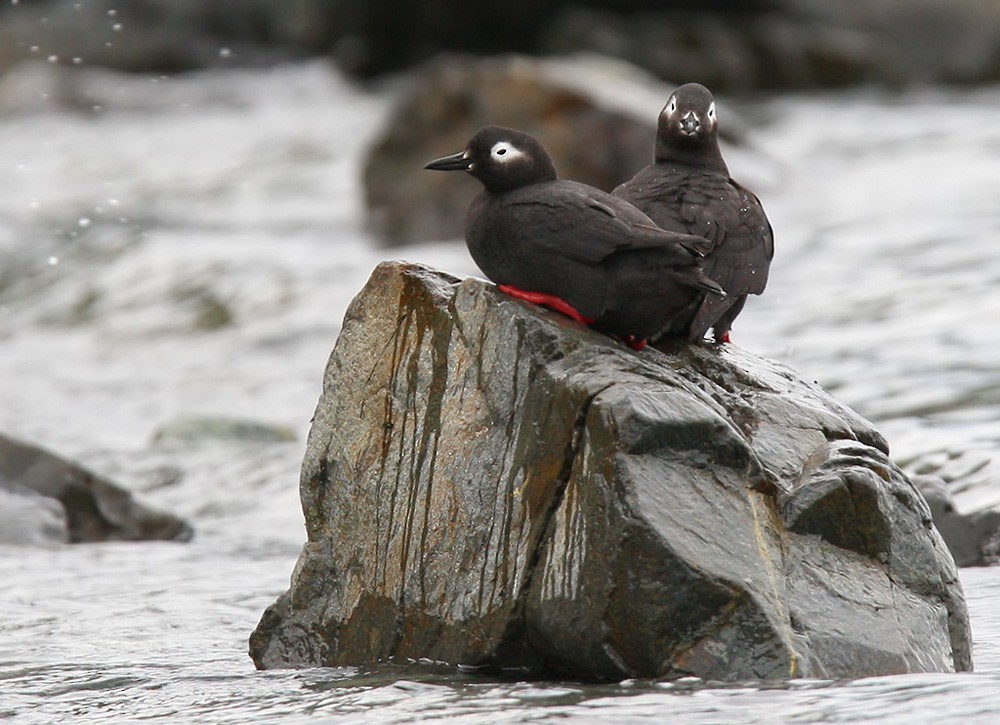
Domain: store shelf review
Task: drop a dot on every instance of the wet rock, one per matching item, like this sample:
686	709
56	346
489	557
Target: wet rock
973	539
913	41
584	112
93	508
728	53
794	43
488	483
729	45
366	38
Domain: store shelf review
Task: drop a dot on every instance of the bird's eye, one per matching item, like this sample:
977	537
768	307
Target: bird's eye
711	111
672	106
501	149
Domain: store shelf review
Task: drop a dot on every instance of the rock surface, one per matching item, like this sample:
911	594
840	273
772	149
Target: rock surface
54	500
488	483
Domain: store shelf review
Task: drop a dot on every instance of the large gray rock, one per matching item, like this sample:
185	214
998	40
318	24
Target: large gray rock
46	499
488	483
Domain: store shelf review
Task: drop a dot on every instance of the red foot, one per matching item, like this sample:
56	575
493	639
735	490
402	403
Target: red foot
725	337
551	301
636	343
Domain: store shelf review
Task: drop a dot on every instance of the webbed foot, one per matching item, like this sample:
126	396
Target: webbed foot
546	300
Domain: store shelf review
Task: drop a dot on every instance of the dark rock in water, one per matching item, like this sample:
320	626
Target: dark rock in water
491	484
973	539
792	43
731	45
593	135
365	38
94	508
727	52
909	41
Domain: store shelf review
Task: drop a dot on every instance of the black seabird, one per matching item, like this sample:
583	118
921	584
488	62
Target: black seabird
688	189
571	247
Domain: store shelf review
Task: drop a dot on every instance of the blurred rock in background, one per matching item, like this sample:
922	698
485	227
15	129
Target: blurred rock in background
33	482
592	135
973	539
730	46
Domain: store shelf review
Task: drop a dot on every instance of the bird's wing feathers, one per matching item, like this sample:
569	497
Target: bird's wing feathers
729	217
587	228
746	244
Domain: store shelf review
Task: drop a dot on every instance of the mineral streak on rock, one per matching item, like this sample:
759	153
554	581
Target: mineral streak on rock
487	483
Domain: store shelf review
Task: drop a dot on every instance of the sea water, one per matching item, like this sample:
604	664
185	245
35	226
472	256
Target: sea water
181	248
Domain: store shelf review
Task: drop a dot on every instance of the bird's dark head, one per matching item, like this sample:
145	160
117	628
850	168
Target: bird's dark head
502	158
689	115
687	124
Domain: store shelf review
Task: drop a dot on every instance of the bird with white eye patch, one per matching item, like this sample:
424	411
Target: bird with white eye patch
571	247
688	189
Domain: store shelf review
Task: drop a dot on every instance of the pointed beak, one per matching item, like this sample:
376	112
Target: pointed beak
690	123
455	162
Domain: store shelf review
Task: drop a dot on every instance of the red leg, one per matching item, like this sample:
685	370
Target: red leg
551	301
725	337
636	343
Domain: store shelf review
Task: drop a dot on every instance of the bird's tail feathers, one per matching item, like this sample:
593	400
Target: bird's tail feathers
698	246
695	277
709	285
690	243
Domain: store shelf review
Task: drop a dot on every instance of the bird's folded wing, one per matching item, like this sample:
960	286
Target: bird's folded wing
743	243
577	226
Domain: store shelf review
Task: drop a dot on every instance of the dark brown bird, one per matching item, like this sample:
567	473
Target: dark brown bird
688	189
569	246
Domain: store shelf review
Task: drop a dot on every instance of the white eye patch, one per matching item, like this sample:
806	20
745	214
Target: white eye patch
504	151
672	105
711	111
